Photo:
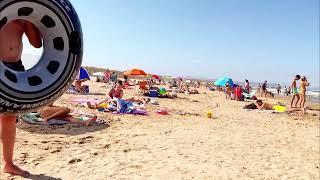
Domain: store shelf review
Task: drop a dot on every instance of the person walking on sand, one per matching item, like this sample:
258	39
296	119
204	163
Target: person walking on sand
278	89
247	85
295	91
303	89
289	90
264	89
10	53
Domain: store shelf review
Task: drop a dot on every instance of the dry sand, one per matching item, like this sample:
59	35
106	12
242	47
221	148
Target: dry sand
234	144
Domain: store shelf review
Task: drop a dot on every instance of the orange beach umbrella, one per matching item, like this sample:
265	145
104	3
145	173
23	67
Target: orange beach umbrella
135	72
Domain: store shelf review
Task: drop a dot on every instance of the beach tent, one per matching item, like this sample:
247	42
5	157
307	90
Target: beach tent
83	74
98	74
187	81
135	72
222	81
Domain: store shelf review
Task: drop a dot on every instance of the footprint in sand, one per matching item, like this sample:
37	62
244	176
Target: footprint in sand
56	151
126	150
107	146
86	139
136	166
74	160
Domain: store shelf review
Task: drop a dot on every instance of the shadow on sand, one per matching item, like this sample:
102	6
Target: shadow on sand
41	177
67	129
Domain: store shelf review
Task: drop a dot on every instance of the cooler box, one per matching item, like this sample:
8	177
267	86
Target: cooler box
154	93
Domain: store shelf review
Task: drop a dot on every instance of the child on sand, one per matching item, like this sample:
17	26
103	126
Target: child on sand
303	89
295	91
53	112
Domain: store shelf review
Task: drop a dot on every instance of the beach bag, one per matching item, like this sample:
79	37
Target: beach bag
86	89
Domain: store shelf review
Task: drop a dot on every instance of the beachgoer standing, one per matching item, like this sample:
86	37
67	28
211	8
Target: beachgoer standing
295	91
289	90
10	51
259	87
278	89
303	90
264	89
247	85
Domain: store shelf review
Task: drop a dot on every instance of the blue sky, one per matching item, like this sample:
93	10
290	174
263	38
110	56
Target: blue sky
260	40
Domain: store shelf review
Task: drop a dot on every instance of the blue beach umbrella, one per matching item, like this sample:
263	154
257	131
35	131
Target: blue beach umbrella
83	75
222	81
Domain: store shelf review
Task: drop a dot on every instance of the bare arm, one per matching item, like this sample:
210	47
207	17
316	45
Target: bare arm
33	35
121	94
110	94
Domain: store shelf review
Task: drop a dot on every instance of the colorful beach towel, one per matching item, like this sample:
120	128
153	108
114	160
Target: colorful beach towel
34	118
84	101
72	90
249	95
127	107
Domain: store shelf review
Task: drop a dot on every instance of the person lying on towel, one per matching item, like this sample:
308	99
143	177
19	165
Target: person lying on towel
56	112
113	102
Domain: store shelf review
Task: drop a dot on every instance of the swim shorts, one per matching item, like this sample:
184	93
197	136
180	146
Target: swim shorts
295	91
16	66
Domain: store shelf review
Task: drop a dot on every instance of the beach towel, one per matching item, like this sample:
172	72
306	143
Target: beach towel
34	118
84	101
249	95
127	107
262	111
72	90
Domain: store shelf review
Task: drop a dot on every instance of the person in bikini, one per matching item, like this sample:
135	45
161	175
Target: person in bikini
50	112
303	89
10	53
116	92
295	92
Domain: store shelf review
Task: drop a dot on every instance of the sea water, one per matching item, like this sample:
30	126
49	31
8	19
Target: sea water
312	94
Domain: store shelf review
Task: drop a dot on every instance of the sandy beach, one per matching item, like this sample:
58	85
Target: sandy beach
234	144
